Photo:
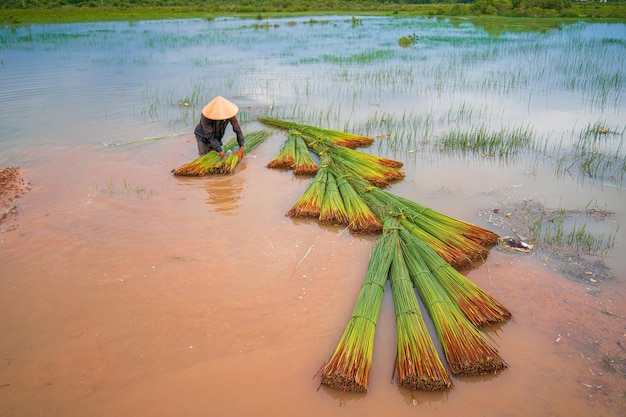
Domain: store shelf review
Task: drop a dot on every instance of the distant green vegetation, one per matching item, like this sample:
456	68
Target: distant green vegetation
17	12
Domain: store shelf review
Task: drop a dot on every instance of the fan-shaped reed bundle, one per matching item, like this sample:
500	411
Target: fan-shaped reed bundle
457	249
466	350
360	218
348	367
333	210
479	307
304	163
357	163
417	363
349	140
310	202
286	157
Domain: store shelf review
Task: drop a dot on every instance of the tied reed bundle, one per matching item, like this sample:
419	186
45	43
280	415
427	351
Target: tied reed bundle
349	140
304	163
466	350
361	218
201	165
286	157
310	202
357	163
477	306
212	164
333	210
348	368
470	231
417	363
440	234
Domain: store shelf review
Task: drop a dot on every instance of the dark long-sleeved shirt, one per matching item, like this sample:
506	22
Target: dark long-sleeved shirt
211	132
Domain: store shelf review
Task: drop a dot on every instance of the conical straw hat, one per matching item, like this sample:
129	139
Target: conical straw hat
220	109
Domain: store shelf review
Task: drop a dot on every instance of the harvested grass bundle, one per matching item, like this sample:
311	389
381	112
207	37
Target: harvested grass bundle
304	163
360	218
348	368
378	160
466	350
477	306
201	165
355	162
310	202
225	166
211	163
435	229
349	140
333	210
417	363
470	231
286	157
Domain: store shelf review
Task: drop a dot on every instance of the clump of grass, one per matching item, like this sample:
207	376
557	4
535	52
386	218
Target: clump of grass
506	142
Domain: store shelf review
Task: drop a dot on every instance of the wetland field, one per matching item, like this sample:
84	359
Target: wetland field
126	290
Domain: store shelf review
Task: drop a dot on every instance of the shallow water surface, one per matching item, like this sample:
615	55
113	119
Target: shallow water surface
127	290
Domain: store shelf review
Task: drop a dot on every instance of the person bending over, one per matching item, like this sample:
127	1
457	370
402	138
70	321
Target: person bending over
214	119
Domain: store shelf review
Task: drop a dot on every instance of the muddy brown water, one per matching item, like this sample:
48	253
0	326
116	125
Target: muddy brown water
128	291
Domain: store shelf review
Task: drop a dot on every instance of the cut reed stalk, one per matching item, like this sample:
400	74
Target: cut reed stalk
304	163
348	368
418	365
477	306
466	350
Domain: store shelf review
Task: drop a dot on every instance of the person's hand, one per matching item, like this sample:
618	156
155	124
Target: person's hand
222	155
240	152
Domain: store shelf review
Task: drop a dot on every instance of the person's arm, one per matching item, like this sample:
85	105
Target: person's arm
240	139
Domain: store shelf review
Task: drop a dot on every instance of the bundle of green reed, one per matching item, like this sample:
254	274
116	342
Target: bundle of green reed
466	350
201	165
349	140
370	169
348	367
333	210
418	365
212	164
470	231
435	229
361	219
304	163
286	157
310	202
477	306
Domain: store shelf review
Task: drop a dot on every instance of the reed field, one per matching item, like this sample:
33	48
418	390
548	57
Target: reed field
518	132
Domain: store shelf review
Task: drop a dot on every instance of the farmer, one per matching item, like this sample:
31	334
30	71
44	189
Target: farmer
213	122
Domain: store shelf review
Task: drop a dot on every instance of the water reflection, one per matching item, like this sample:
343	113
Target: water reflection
224	193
